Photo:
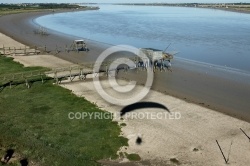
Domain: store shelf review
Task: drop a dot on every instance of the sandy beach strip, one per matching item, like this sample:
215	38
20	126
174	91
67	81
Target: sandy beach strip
225	92
184	137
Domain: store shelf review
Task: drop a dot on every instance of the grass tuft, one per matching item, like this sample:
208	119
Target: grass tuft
133	157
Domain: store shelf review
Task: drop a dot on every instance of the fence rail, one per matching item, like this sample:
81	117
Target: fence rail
80	70
20	50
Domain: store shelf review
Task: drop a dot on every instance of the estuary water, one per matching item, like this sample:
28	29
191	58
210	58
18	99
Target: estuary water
216	37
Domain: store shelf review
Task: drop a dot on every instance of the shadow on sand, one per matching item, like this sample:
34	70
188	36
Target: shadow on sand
141	105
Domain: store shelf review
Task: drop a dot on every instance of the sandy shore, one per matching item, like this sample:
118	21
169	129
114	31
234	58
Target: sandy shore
222	90
229	8
233	10
188	139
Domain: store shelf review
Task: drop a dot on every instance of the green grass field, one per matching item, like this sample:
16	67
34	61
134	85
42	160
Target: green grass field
35	123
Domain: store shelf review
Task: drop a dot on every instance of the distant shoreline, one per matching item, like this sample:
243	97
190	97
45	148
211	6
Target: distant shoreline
230	10
225	7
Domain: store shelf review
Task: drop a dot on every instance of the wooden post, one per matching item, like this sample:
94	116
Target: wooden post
153	65
3	50
245	134
161	68
14	51
70	74
137	65
45	49
107	73
80	76
41	77
27	83
55	76
84	76
25	50
222	152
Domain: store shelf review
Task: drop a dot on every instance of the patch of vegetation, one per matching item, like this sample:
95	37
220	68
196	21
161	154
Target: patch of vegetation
133	157
7	67
30	7
175	161
20	72
57	6
35	122
123	124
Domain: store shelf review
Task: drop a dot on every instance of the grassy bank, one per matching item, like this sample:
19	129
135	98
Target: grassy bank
34	122
21	8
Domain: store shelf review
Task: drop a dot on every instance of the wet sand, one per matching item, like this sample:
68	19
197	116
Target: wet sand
227	91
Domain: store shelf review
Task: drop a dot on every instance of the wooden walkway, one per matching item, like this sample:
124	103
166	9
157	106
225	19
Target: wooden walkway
34	50
19	50
69	73
22	77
